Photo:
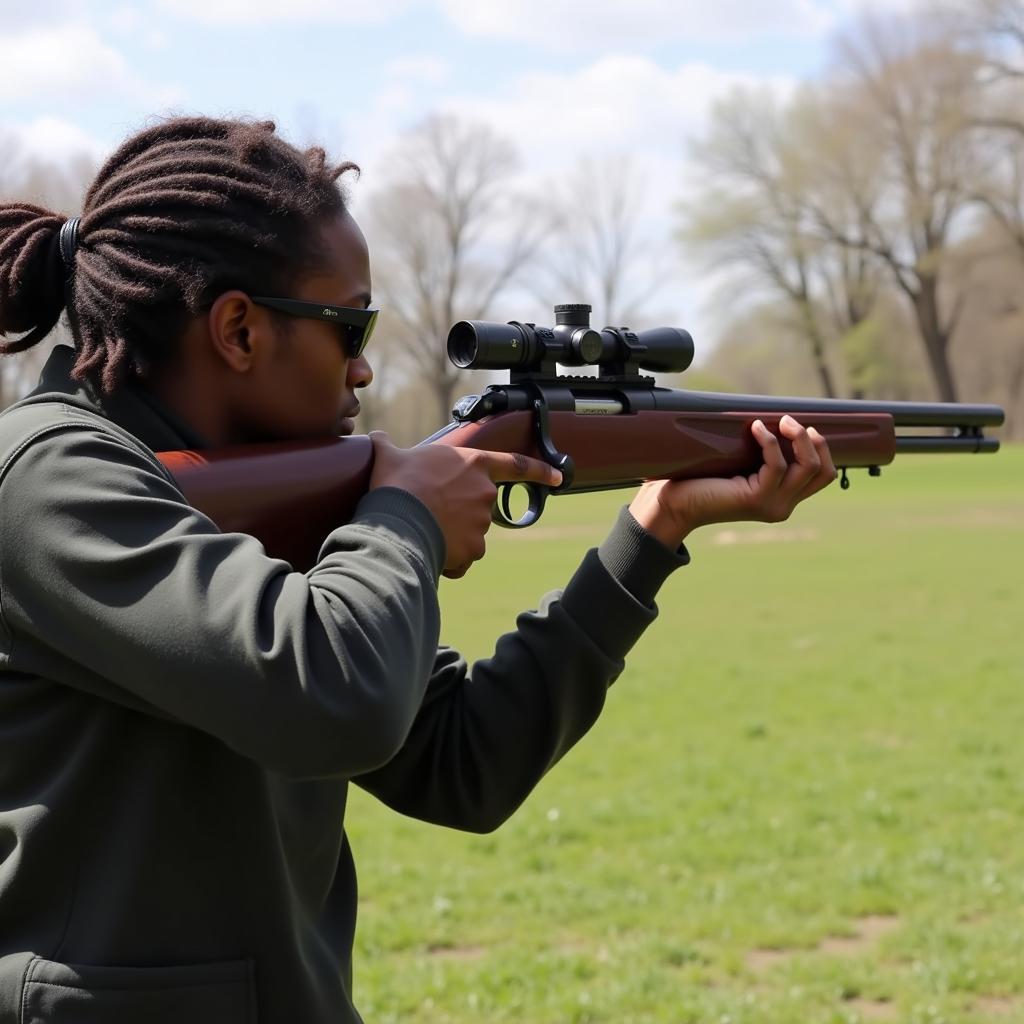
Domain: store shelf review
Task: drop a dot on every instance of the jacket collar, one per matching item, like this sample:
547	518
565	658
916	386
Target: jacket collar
133	408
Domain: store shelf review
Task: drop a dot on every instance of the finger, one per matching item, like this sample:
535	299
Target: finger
475	553
514	467
827	473
379	438
774	469
828	466
806	462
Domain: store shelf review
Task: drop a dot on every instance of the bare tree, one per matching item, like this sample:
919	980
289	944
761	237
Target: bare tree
996	27
907	94
1001	26
752	214
598	252
843	177
449	235
1000	189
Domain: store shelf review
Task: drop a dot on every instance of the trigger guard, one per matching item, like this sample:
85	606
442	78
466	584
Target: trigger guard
501	511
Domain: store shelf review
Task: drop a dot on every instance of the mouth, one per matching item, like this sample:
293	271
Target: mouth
346	421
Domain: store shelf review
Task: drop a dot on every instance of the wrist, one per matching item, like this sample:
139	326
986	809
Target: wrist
659	523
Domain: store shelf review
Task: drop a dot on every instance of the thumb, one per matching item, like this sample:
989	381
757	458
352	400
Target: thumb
380	439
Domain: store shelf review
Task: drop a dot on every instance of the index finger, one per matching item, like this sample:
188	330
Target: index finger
514	467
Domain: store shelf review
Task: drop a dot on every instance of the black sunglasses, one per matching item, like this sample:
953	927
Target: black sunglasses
358	323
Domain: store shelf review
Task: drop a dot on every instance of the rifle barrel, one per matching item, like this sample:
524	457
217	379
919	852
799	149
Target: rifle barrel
904	414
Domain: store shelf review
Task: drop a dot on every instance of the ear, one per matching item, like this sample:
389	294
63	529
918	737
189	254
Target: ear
239	330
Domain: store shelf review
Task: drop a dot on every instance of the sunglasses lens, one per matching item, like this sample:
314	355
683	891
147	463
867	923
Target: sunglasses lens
358	337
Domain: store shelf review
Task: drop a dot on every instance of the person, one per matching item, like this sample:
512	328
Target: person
180	714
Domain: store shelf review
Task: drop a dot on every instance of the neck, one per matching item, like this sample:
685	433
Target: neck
191	388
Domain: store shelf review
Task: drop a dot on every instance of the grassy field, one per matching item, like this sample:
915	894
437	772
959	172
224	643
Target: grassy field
803	803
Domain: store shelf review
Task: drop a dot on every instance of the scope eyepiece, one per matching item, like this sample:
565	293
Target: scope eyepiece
481	345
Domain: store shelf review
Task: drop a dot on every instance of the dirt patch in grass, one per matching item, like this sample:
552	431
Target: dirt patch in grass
456	952
872	1009
998	1006
766	959
886	740
867	931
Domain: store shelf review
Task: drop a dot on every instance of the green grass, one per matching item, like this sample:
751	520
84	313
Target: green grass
816	730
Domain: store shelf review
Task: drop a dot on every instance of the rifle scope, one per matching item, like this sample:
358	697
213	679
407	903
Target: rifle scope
482	345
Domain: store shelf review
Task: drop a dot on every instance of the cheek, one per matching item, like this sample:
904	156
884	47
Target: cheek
301	393
323	379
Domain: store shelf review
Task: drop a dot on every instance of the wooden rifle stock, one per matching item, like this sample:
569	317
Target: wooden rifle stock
291	495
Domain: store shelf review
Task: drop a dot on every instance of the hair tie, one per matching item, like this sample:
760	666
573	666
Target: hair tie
67	240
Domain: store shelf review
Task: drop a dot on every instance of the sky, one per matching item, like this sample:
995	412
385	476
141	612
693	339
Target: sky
564	79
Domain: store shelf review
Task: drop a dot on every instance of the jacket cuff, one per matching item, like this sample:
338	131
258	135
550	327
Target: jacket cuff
637	560
405	514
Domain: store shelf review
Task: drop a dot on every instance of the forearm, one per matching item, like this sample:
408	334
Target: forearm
486	735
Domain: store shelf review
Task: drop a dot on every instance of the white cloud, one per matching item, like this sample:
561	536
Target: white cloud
406	78
54	140
18	15
254	12
423	68
69	62
137	26
618	103
616	107
853	8
574	24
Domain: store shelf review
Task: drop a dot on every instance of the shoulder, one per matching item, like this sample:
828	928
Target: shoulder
56	456
60	425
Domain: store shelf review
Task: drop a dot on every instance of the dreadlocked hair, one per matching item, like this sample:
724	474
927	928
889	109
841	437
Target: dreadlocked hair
179	214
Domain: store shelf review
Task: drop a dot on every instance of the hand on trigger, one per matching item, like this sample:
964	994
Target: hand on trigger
458	486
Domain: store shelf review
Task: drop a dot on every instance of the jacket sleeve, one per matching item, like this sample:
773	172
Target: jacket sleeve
111	583
486	735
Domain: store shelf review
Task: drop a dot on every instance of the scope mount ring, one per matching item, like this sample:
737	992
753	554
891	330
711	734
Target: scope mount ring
501	512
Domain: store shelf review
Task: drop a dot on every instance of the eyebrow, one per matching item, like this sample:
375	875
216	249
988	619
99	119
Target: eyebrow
364	297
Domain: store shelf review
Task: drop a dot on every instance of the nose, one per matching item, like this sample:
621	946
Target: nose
360	373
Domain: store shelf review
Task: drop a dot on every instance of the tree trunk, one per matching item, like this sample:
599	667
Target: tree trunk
936	339
817	343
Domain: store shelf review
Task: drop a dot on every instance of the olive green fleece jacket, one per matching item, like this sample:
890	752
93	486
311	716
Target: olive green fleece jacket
180	717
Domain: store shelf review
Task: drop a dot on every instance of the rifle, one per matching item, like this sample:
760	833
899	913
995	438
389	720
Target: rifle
608	431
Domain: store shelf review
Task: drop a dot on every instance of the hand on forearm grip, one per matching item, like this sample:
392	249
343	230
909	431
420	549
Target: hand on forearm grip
670	509
458	485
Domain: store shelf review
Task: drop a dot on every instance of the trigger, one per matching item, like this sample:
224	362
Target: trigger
501	511
506	502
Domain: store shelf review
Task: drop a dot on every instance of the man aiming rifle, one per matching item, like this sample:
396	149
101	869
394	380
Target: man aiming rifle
180	713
